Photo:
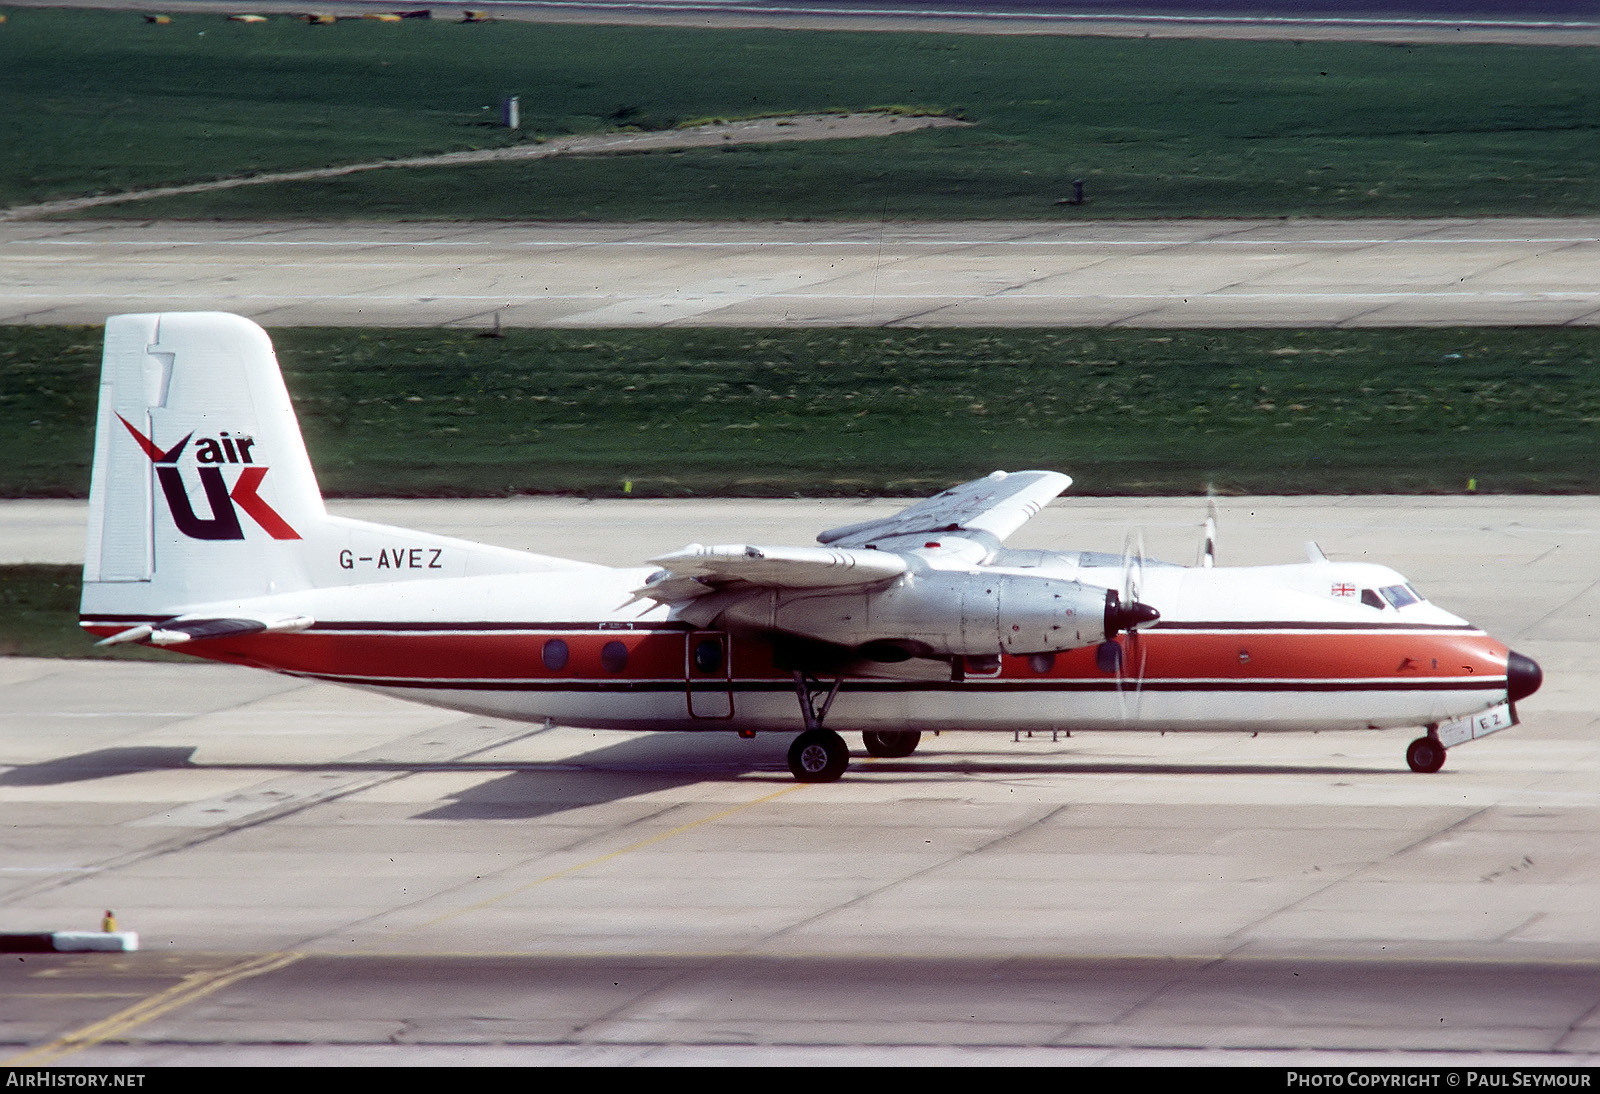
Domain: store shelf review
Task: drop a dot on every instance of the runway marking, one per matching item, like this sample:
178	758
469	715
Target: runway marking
609	856
191	988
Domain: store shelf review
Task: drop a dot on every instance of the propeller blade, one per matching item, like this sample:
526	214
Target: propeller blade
1208	548
1138	652
1125	614
1132	565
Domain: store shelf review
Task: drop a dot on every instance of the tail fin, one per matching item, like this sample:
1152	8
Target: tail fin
202	492
201	487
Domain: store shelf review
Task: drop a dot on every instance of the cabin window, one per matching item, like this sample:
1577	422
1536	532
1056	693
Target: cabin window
708	656
1041	662
1108	657
555	655
613	657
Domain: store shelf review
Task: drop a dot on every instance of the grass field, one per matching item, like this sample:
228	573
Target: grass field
39	617
97	101
854	411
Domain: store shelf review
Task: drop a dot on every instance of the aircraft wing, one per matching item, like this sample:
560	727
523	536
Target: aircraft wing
972	518
993	506
697	569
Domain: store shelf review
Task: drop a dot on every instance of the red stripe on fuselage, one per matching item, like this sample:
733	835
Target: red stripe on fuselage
1255	655
486	657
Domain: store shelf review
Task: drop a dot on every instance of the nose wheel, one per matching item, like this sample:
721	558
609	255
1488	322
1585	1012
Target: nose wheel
1425	755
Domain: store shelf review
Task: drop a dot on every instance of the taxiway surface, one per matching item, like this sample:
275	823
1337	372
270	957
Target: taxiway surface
1272	273
320	875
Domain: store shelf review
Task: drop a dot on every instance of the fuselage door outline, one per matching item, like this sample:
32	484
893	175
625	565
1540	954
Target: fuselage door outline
708	674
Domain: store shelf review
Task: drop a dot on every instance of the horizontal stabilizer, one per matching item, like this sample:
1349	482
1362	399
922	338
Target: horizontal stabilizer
177	631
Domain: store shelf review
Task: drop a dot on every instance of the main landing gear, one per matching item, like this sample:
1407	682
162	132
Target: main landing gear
891	743
820	755
1425	755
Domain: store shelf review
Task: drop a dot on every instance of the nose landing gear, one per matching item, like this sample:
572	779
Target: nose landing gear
1425	755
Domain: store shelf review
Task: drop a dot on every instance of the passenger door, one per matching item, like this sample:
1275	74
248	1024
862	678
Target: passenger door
708	674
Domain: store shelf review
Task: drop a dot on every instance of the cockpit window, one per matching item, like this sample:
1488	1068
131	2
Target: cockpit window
1371	599
1399	595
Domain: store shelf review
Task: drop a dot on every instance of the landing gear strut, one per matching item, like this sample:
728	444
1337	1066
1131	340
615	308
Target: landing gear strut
1425	755
818	755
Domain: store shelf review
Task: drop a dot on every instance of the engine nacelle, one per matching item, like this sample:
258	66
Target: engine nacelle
940	613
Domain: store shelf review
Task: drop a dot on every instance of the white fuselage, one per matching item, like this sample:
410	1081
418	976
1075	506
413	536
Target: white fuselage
1245	649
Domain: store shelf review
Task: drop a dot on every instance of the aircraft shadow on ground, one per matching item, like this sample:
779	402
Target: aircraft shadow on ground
531	789
527	793
102	763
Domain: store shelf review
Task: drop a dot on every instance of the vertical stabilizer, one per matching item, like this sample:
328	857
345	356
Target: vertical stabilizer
201	489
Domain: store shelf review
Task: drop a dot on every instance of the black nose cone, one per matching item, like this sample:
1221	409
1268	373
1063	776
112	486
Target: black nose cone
1523	676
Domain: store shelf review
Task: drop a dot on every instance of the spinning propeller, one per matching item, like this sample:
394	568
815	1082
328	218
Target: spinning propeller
1208	546
1125	612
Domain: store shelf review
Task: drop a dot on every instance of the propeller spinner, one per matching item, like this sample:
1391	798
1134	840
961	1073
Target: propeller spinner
1125	617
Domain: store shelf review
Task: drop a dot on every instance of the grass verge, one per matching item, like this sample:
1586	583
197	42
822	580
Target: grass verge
100	101
864	411
39	617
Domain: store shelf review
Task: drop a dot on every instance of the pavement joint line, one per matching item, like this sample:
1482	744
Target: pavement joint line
1559	608
1422	840
817	917
190	989
944	862
639	845
197	836
1573	1027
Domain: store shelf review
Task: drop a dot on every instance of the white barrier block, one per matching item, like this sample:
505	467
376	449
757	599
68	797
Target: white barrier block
79	941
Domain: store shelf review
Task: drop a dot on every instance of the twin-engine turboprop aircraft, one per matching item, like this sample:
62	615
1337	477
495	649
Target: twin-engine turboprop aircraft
207	533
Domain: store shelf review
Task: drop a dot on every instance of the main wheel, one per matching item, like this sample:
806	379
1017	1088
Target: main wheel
1425	755
818	756
890	743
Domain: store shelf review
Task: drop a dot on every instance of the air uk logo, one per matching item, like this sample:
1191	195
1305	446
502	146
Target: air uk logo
211	454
